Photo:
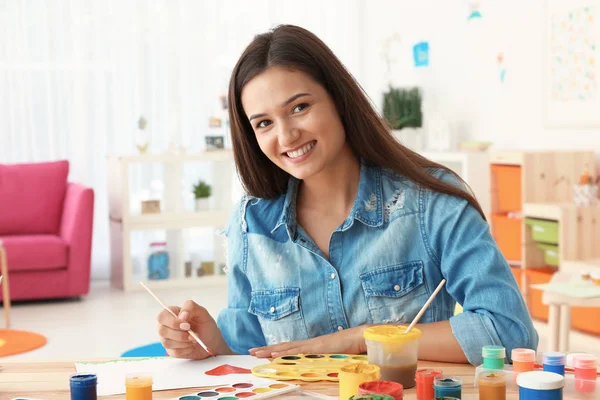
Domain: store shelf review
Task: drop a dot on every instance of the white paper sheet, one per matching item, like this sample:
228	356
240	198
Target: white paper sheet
168	372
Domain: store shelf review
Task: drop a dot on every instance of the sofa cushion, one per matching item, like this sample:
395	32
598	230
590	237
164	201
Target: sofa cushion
31	197
35	252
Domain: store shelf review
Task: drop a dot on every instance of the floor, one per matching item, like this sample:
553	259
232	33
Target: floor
109	321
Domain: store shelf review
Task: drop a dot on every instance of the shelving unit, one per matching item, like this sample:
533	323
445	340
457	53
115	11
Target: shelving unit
191	236
468	165
539	185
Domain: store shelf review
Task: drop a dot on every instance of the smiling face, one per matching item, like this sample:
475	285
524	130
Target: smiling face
295	121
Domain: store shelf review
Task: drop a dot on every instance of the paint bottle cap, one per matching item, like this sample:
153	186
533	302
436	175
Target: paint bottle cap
493	352
423	375
540	380
447	381
371	396
571	357
585	361
492	377
554	358
360	368
394	389
83	380
391	334
138	380
522	355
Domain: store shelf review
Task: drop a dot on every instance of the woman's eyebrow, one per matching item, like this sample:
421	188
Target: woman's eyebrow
285	103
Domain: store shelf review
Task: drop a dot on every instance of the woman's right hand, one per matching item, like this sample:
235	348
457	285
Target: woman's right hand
179	343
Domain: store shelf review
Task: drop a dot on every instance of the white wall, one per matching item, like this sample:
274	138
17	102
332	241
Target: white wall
462	83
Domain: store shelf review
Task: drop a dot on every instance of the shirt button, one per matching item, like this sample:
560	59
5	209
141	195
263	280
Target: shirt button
272	310
332	276
397	288
340	328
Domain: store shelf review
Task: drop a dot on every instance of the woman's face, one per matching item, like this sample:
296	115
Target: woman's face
295	121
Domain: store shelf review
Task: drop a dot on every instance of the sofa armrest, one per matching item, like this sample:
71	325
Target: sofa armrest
76	229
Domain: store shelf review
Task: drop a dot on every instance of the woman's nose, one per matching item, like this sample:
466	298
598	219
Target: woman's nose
287	135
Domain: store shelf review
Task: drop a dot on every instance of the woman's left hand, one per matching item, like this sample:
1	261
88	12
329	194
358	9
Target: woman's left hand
348	341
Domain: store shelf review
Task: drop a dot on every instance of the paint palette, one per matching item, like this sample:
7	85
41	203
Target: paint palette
309	368
242	390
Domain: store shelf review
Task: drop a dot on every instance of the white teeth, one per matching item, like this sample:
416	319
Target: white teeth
300	152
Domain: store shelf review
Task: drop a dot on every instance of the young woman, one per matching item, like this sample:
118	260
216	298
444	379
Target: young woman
343	226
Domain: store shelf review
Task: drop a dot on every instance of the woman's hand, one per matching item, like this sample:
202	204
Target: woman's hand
179	343
349	341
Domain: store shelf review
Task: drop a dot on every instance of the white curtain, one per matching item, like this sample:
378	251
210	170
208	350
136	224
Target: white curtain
76	75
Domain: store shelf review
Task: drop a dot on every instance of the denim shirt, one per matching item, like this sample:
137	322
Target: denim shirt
398	242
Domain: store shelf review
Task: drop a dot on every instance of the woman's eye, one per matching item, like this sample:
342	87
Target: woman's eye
300	107
263	124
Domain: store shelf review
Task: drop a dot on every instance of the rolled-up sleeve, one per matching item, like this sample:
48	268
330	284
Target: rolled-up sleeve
240	329
478	277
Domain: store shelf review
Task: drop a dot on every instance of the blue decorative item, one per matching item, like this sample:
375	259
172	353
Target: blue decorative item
149	350
158	261
421	54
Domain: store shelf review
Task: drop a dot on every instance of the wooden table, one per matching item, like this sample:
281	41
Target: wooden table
49	380
559	313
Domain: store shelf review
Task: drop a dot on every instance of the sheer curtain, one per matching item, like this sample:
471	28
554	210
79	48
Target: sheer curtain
76	75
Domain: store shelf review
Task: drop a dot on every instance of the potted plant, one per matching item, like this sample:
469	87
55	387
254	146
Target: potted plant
402	111
202	192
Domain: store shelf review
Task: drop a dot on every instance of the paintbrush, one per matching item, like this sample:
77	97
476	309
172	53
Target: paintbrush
418	316
192	334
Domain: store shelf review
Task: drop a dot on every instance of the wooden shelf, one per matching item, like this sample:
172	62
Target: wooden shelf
170	220
208	280
552	211
213	155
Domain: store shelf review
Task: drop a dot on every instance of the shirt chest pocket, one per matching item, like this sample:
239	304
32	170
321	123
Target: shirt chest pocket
279	312
395	293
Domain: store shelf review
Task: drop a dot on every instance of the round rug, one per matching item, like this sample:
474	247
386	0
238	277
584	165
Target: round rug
16	342
149	350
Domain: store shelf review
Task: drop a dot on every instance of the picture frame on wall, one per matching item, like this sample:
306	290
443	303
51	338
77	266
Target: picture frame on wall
572	64
215	142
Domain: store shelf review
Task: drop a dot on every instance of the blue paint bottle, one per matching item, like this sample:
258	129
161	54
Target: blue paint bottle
447	386
83	386
540	385
555	362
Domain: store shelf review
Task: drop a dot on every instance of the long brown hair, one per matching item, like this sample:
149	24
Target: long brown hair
367	134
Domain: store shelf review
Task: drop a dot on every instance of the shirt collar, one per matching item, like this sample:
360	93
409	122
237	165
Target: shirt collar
367	207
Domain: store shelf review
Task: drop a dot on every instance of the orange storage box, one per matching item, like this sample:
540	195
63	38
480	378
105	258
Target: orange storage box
534	296
508	235
506	181
586	319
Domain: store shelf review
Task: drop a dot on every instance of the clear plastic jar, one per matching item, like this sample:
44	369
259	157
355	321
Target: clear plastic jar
158	261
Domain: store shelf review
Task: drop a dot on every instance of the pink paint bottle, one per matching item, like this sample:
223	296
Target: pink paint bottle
585	372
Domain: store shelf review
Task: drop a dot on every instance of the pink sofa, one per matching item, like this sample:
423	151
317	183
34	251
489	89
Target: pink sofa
46	227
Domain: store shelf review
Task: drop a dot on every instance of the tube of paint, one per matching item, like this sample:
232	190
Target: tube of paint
352	375
554	362
535	385
585	373
83	386
447	386
388	388
492	385
493	357
138	387
523	359
424	379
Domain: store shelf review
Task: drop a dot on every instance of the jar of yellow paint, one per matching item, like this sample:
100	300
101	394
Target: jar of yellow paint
352	375
138	387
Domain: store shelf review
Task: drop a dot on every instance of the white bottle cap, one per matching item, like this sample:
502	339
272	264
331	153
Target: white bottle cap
540	380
